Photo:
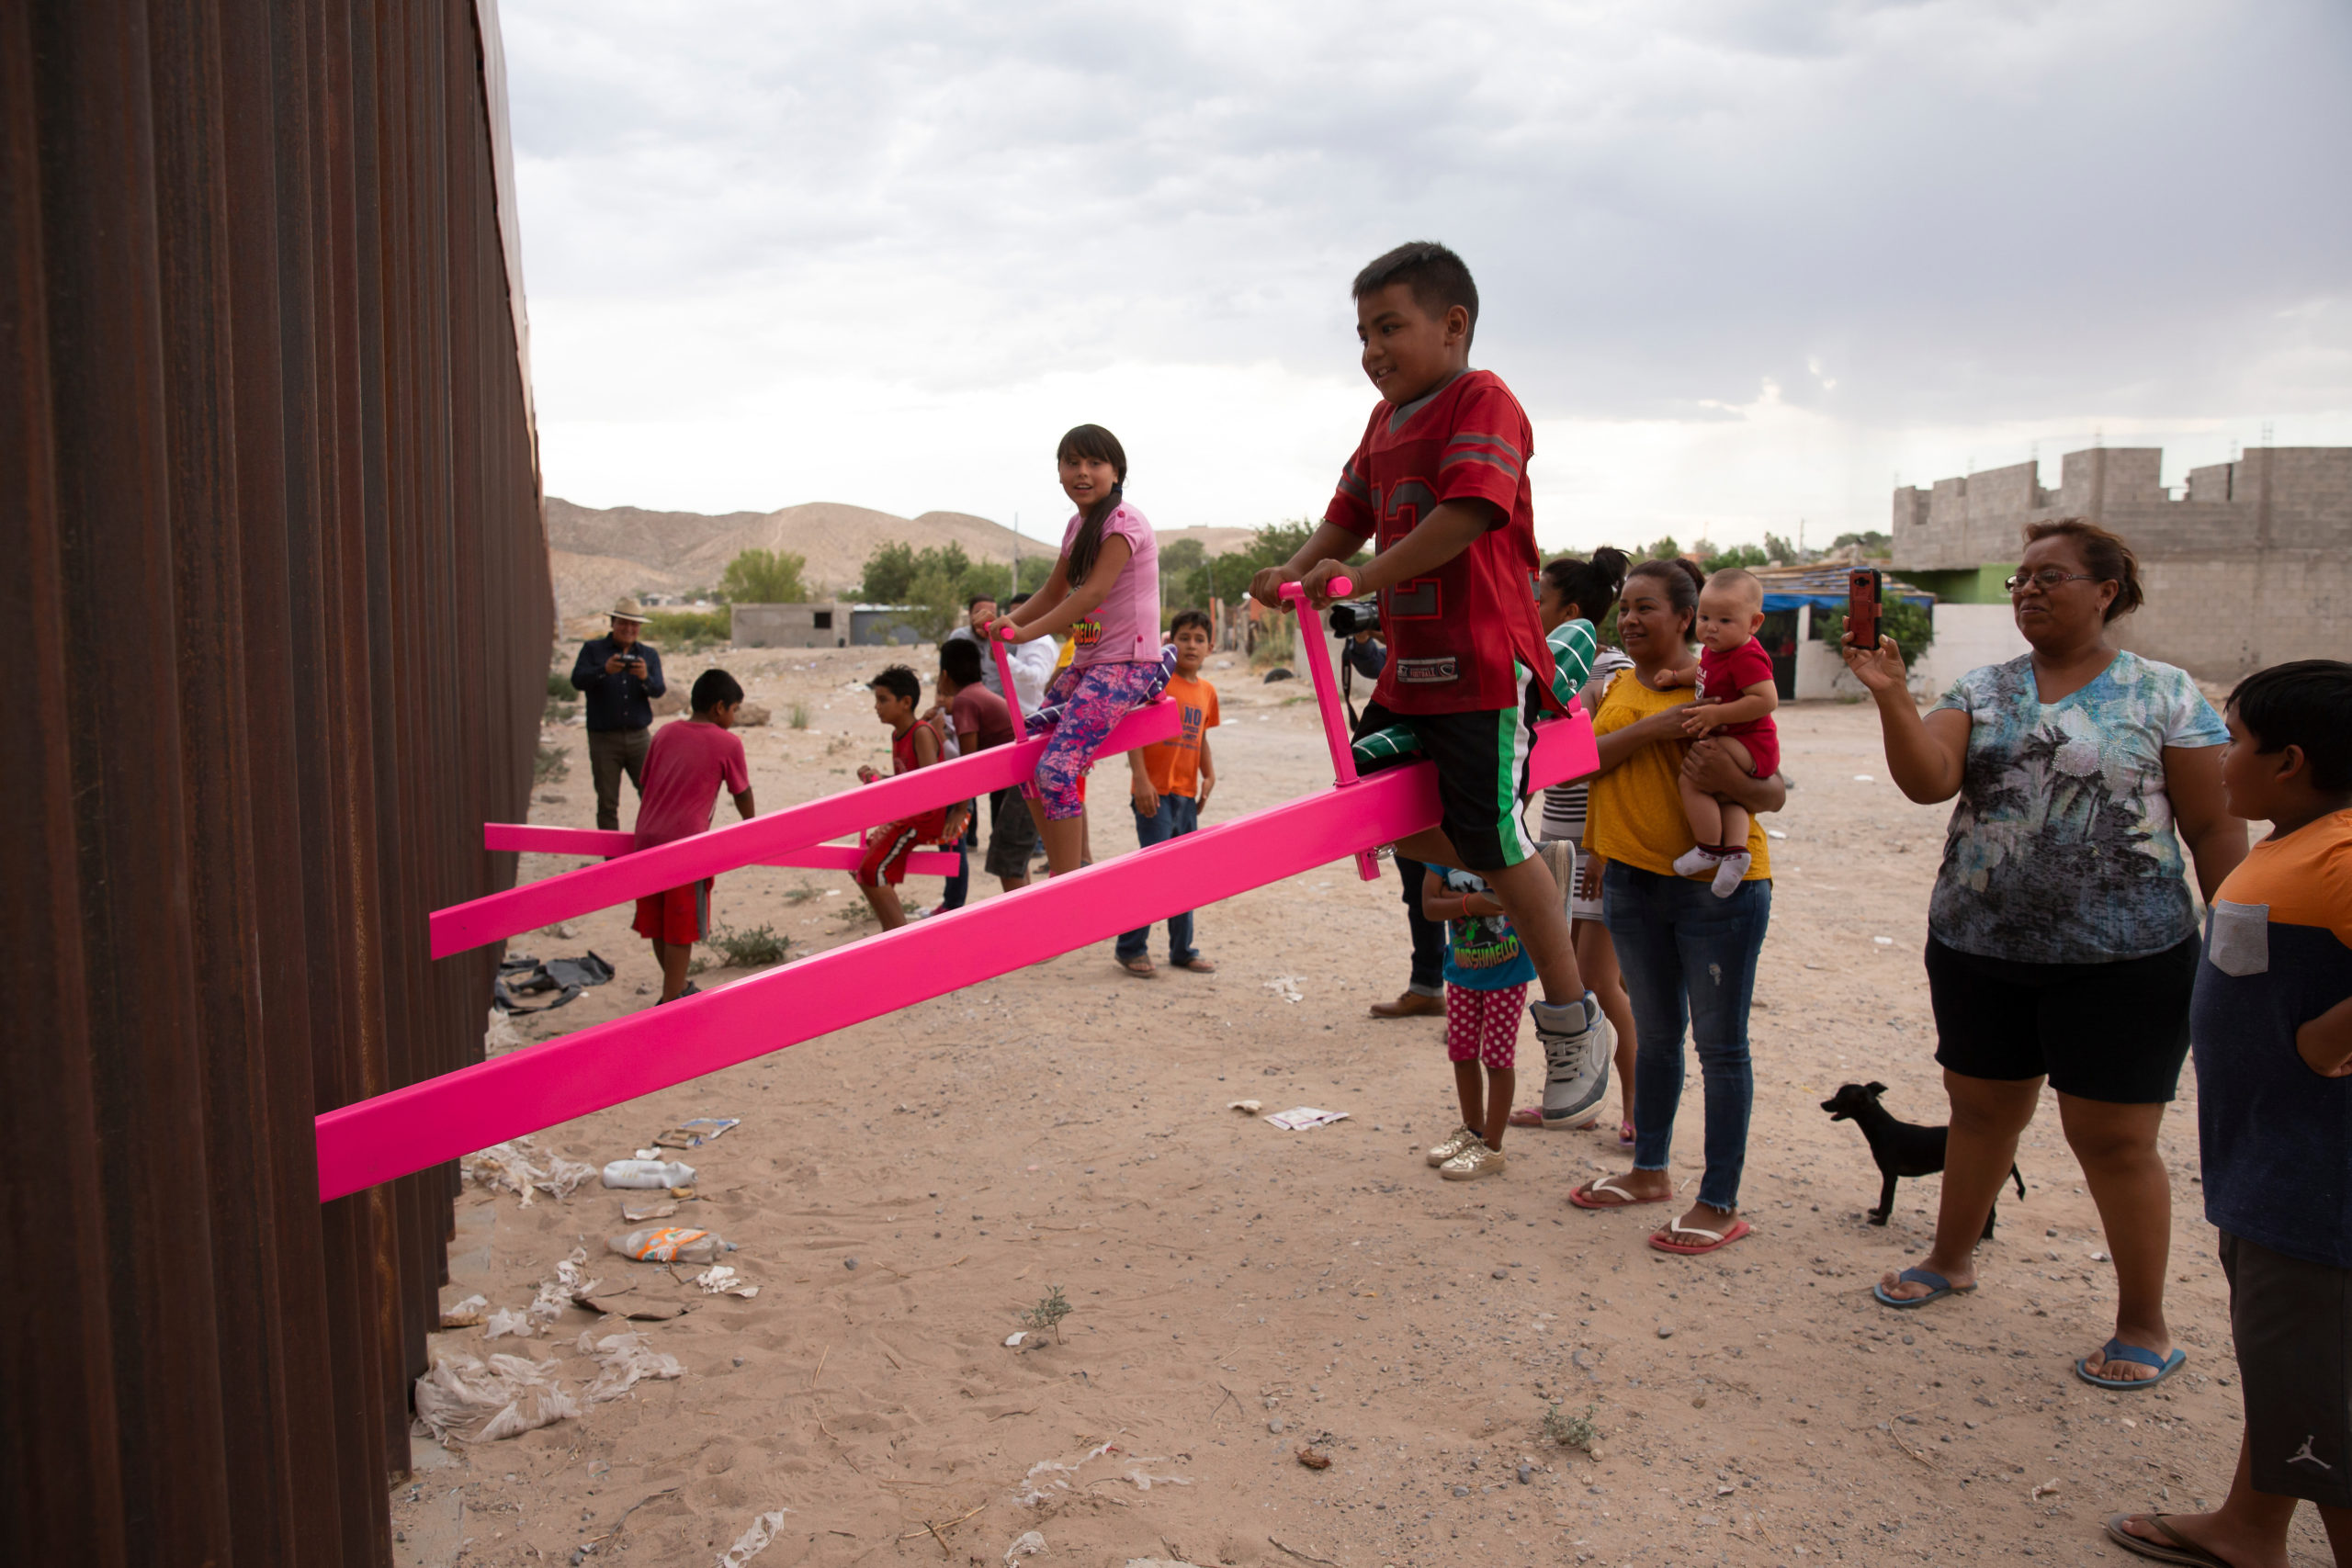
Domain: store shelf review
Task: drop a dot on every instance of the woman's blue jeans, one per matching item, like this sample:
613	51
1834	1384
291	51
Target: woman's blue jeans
1688	957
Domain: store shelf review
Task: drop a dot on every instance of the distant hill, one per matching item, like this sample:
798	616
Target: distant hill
599	555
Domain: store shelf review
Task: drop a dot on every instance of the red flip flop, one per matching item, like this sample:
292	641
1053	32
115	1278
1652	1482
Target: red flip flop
1709	1241
1607	1187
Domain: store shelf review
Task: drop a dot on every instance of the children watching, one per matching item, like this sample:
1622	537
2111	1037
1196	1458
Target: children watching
1104	591
978	719
1486	974
1736	696
1169	782
1439	482
913	744
683	768
2271	1026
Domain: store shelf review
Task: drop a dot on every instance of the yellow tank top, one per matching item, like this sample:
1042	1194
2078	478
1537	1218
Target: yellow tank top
1636	808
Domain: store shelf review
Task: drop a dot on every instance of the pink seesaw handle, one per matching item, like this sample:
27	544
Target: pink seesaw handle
1327	700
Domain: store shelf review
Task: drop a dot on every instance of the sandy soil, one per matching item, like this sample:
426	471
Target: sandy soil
902	1193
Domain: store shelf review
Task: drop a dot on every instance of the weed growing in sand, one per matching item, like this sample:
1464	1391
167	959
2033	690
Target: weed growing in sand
798	718
550	765
801	894
1570	1431
1051	1308
753	949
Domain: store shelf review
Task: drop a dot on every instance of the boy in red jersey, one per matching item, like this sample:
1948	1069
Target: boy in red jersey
683	768
1439	482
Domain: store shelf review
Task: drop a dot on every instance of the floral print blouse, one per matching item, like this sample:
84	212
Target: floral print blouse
2062	850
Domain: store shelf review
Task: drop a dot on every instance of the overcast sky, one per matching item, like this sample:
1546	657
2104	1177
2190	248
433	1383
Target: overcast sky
1743	262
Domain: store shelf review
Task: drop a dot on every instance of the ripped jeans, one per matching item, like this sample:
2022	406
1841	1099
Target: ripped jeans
1688	957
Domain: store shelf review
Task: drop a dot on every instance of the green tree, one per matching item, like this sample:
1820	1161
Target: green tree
763	577
1181	565
1873	543
1738	555
1660	550
1779	549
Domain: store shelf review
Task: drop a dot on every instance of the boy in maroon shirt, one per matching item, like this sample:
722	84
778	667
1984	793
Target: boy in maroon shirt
1439	484
683	768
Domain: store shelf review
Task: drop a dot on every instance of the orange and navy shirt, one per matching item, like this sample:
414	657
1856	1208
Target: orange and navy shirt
1465	637
2275	1136
1174	766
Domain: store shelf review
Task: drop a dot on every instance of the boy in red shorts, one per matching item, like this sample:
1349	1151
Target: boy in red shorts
683	768
898	693
1439	482
1736	696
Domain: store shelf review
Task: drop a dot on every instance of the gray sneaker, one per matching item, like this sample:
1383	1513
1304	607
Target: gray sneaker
1578	1043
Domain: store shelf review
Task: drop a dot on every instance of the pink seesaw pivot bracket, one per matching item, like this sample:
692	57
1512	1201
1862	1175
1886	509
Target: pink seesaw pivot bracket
1327	700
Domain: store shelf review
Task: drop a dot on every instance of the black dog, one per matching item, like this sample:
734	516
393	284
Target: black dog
1900	1148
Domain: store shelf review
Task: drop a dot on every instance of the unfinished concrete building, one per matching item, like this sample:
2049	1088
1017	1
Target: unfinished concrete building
2249	568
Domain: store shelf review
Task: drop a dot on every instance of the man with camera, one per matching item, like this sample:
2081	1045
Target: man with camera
1363	654
620	677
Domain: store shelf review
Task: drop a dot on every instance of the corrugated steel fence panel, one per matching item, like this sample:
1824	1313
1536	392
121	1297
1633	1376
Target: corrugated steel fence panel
278	623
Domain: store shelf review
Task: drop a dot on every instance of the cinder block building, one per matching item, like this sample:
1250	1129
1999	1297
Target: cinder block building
2252	565
820	625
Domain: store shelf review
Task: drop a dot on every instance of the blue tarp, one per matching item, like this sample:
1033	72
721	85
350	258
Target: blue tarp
1776	601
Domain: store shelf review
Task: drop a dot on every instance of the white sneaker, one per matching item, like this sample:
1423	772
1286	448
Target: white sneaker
1695	861
1729	871
1578	1043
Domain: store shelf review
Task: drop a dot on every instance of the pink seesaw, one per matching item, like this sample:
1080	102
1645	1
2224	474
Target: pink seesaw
528	1090
530	837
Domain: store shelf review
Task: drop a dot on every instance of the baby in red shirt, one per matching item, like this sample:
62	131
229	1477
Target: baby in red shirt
1736	696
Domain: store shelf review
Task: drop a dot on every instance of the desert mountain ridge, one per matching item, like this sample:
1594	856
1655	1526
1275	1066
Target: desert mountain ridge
597	555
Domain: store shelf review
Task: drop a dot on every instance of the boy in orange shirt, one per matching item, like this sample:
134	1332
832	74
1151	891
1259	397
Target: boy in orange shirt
1171	782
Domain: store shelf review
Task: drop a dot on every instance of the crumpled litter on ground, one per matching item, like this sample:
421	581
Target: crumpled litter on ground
506	1321
720	1279
670	1244
625	1359
1030	1493
1028	1543
753	1541
514	1167
569	1284
1286	986
694	1134
461	1400
467	1314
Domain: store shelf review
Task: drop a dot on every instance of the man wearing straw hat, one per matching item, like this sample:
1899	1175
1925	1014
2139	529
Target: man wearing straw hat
621	677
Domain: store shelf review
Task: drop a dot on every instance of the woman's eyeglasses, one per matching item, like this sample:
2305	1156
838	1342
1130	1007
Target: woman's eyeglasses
2048	577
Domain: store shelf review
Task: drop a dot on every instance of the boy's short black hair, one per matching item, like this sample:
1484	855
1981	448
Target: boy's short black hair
715	688
2308	703
979	599
1437	277
899	682
1191	619
959	660
1016	601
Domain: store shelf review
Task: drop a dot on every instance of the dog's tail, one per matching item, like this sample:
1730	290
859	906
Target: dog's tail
2018	1179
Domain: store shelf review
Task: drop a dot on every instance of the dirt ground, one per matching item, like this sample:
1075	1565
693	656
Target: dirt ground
902	1193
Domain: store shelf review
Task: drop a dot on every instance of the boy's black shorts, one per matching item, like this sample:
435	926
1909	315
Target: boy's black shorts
2116	1032
2291	1321
1482	762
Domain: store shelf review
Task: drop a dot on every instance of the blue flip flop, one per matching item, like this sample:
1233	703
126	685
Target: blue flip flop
2116	1350
1938	1287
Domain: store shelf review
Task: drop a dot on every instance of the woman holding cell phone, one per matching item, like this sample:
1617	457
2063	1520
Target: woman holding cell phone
2061	939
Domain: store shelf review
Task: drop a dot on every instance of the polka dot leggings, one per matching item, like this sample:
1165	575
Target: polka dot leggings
1483	1026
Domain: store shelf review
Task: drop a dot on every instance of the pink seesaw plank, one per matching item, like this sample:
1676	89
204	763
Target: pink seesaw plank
502	915
528	1090
533	838
1326	698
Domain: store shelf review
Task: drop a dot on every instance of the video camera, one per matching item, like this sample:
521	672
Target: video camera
1349	616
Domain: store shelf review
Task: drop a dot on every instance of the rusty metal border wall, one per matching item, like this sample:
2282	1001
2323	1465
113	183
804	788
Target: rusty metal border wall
277	618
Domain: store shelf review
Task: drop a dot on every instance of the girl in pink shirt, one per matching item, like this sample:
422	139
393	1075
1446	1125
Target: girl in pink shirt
1104	593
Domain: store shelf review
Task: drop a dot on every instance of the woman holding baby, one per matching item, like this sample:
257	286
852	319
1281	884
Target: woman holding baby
1687	956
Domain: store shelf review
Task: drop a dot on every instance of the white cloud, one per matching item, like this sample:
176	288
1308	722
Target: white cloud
885	253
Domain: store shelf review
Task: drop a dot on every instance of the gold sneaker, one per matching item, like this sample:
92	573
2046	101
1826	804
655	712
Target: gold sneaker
1473	1163
1461	1138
